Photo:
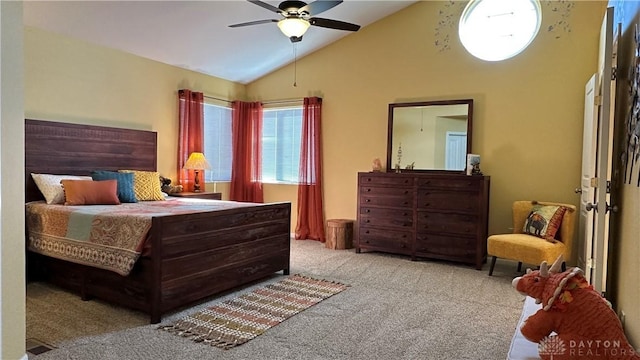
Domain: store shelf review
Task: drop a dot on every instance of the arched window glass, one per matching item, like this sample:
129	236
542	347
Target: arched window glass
496	30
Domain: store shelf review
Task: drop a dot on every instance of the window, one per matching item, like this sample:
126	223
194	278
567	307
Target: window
281	136
217	142
496	30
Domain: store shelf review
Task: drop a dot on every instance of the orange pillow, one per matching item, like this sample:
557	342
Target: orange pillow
89	192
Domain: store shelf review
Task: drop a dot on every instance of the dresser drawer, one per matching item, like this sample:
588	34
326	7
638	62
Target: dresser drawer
385	240
371	216
386	197
385	180
446	247
448	200
469	184
448	223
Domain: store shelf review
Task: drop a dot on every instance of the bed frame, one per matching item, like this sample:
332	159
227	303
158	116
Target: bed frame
193	256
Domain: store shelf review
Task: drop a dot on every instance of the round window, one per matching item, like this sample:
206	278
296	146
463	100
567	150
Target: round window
496	30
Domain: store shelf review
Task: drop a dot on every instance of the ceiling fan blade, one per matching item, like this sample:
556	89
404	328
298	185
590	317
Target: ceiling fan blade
257	22
265	5
318	6
334	24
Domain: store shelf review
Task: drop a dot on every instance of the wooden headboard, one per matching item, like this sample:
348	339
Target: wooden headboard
71	149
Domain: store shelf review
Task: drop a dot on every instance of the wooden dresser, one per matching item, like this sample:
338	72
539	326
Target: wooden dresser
439	216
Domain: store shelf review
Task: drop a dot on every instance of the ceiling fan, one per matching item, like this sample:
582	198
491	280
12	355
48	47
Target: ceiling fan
297	16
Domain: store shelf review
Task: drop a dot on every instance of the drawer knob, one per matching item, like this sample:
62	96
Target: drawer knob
369	190
406	203
368	221
368	211
427	204
366	232
368	200
406	192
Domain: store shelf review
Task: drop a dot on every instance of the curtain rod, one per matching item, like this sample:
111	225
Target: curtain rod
264	102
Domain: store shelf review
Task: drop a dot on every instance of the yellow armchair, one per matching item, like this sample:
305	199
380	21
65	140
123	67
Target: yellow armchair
530	249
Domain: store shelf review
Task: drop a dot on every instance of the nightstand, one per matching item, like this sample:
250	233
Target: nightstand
199	195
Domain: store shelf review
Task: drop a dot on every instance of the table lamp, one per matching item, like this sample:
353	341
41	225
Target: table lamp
196	162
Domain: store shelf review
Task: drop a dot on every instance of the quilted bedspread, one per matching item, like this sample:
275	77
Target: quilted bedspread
110	237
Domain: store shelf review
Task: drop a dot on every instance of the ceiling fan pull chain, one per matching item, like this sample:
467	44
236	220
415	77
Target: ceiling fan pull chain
295	65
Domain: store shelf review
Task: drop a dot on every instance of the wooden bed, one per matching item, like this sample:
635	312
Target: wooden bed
193	256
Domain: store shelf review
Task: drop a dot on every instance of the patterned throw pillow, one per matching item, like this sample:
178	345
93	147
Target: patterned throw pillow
89	192
125	183
50	187
146	185
544	221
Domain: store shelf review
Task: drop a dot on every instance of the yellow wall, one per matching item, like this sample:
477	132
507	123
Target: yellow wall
73	81
528	110
12	254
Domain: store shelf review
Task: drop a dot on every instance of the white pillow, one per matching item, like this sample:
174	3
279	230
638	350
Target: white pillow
50	187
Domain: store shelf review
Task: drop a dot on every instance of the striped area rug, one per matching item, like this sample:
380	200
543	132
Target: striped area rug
236	321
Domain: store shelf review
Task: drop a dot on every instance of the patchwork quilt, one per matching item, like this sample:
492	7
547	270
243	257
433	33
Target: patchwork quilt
110	237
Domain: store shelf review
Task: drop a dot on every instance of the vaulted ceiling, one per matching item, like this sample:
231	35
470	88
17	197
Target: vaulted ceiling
195	35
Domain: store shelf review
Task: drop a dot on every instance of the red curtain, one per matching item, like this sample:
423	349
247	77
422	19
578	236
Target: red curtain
310	210
191	133
246	172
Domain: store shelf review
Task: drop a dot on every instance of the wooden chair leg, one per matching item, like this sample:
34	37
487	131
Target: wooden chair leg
493	263
519	266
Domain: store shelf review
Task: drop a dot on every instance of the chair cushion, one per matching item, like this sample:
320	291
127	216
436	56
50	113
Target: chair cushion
523	247
544	221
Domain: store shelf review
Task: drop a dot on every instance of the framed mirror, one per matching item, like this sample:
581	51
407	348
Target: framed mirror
429	135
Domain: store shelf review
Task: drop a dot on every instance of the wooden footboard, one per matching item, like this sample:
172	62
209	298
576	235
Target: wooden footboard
199	255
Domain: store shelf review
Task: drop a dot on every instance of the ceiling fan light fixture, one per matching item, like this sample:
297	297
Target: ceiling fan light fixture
293	27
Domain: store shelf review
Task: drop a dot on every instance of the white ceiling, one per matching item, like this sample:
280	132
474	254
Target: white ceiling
194	34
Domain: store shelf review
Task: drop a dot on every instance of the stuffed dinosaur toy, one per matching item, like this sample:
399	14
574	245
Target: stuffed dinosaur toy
585	325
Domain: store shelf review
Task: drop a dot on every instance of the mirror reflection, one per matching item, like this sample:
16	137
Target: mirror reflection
433	135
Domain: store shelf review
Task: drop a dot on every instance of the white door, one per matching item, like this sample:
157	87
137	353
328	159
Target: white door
587	188
595	227
456	150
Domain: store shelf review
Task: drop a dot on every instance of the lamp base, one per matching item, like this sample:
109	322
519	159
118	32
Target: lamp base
196	183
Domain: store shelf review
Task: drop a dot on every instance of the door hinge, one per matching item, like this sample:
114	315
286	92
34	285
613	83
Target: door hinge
608	186
597	100
614	73
590	264
594	182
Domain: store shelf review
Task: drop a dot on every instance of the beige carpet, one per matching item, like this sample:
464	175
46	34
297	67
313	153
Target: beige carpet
394	309
54	315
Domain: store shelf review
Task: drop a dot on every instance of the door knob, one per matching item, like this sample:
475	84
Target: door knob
591	206
612	208
578	190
